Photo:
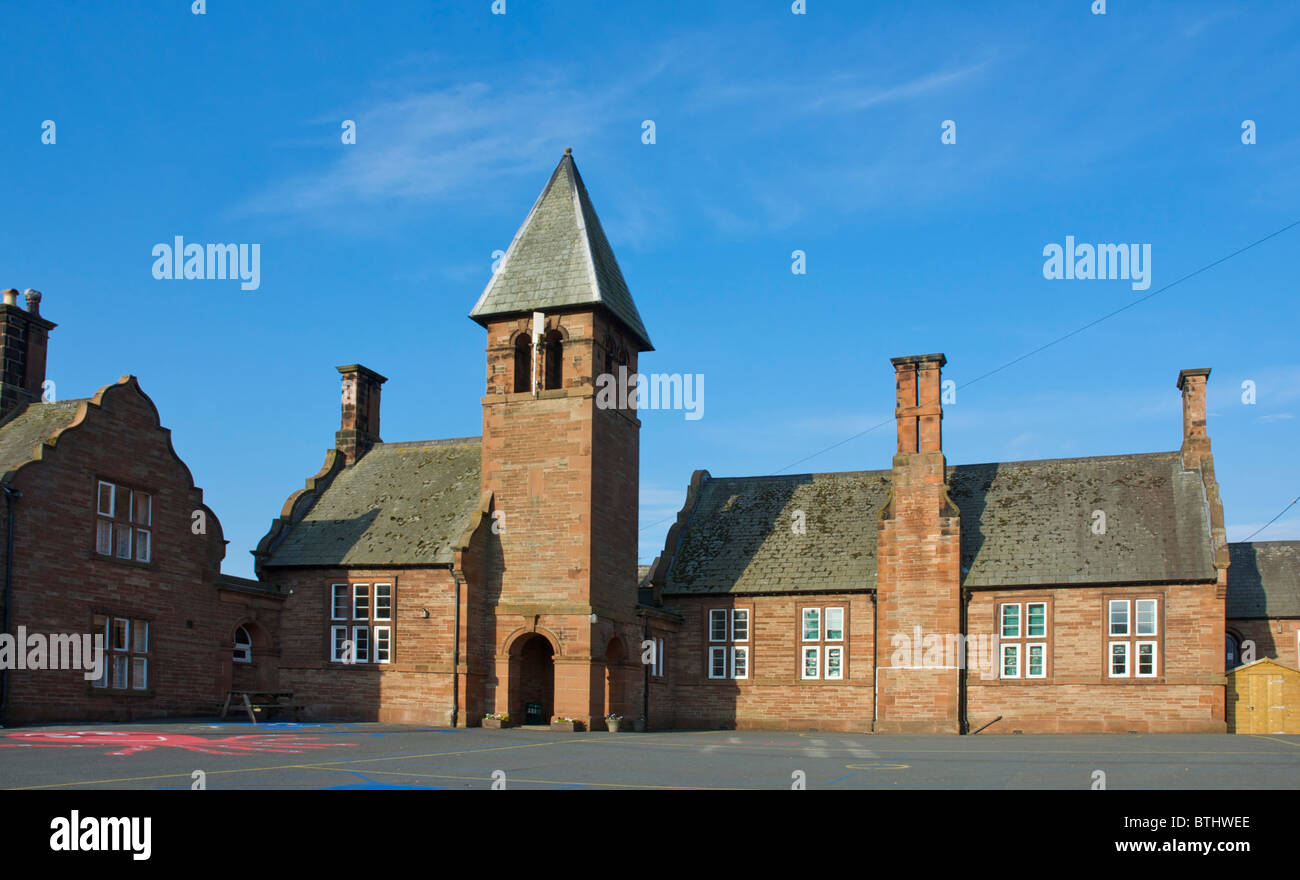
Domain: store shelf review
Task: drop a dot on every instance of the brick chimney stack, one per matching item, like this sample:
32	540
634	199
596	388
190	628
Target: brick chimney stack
24	342
1196	454
1196	441
918	582
359	429
918	410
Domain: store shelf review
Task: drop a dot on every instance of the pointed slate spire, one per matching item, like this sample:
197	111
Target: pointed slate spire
560	258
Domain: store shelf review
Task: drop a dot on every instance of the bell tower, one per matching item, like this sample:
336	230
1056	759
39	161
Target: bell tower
562	466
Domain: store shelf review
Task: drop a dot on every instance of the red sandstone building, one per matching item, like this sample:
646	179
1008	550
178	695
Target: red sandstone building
438	581
106	533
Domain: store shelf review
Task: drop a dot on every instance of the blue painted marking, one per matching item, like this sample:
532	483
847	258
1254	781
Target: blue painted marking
368	784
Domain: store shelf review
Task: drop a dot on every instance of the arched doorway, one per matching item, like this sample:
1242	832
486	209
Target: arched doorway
615	677
534	685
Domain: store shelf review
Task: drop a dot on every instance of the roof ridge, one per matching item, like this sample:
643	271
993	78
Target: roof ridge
446	441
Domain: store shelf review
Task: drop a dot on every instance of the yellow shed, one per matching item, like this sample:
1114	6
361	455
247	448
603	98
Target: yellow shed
1263	697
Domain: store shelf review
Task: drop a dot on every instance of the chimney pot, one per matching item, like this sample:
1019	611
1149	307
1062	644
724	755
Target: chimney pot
33	301
11	297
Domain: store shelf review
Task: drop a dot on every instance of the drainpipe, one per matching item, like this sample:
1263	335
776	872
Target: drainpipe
455	654
645	672
11	495
875	662
963	723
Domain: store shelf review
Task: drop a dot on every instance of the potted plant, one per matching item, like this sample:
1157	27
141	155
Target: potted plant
612	721
497	720
565	725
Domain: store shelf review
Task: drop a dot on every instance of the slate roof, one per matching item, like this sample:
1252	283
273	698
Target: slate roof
400	504
1029	523
1264	579
31	426
560	257
741	537
1023	523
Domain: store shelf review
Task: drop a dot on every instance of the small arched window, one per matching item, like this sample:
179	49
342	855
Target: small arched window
243	646
554	349
523	364
1232	657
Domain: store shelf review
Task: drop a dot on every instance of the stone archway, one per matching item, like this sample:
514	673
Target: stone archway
532	678
615	677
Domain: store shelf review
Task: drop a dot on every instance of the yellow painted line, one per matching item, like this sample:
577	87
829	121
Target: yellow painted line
1275	739
510	779
877	766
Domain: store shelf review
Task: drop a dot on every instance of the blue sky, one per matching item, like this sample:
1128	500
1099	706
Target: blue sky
774	133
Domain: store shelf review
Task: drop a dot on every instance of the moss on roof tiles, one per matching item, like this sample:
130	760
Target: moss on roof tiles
400	504
1022	523
31	426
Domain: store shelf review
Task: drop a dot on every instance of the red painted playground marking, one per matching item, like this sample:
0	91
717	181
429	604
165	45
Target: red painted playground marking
128	743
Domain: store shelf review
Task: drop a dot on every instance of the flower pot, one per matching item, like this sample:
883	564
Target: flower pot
496	723
566	726
639	725
612	724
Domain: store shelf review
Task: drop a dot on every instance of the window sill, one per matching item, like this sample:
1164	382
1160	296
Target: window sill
134	563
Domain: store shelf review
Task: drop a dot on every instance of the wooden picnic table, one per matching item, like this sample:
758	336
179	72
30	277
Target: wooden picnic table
255	701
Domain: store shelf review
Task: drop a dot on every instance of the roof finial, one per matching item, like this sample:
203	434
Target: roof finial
568	151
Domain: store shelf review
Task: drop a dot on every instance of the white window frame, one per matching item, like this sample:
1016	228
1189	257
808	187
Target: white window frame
826	625
334	601
803	625
1137	659
1013	647
388	643
744	615
1029	617
1110	618
1029	666
388	588
337	648
839	674
805	652
112	499
1155	617
141	684
357	591
743	652
714	651
725	629
243	653
356	643
1110	659
1002	620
